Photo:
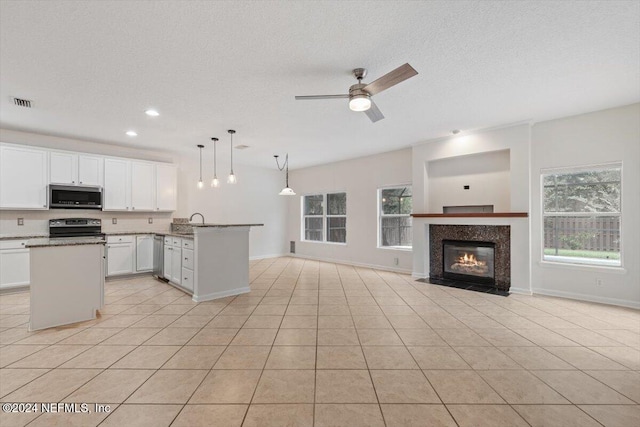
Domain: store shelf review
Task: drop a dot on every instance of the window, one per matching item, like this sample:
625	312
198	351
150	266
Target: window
581	214
322	225
395	206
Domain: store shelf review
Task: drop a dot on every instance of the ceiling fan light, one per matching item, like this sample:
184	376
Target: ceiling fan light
287	192
360	103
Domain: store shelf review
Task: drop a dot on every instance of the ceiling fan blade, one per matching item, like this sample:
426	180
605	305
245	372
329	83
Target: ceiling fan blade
374	113
392	78
308	97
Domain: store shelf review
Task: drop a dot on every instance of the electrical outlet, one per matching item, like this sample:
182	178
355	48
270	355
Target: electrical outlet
598	282
396	261
150	220
114	220
20	221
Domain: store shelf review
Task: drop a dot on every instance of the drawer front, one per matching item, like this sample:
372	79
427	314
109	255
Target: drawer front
12	244
168	240
187	259
120	239
187	279
176	241
187	243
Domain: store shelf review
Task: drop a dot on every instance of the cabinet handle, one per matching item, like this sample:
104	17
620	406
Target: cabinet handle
44	206
133	208
157	209
80	182
73	182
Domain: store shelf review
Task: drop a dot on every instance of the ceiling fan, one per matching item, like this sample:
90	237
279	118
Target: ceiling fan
360	93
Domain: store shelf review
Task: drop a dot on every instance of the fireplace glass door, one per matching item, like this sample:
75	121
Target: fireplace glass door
469	261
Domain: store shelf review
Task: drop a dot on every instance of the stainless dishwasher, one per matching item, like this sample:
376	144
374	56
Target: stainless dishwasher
158	257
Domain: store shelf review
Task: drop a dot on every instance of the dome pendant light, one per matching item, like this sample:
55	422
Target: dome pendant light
215	182
200	183
232	178
286	191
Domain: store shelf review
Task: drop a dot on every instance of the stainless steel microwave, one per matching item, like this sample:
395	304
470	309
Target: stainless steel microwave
75	197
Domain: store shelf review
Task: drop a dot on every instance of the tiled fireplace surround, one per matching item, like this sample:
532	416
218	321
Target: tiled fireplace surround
498	234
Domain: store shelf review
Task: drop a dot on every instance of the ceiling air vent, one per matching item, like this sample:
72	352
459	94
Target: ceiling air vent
241	147
22	102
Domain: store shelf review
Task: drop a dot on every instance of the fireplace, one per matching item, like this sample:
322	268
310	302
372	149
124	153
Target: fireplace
469	261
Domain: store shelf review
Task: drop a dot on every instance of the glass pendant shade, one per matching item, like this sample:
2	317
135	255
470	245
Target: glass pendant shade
215	182
200	183
232	178
287	192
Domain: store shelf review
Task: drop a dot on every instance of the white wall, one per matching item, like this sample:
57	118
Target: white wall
605	136
37	222
253	200
360	179
489	143
486	174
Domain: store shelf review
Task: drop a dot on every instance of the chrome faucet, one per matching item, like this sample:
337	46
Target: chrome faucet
197	213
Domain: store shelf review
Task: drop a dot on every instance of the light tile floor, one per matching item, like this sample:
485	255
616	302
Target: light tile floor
327	345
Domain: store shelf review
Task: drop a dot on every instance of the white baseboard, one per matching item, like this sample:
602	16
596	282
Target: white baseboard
520	291
418	276
355	264
258	257
590	298
221	294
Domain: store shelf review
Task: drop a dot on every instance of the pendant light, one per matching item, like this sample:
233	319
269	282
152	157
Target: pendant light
200	183
286	191
215	182
232	178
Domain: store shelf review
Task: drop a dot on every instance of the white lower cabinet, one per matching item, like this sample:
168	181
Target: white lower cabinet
14	264
178	262
144	253
176	265
121	255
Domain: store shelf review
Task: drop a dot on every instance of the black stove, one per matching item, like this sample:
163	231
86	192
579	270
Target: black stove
75	227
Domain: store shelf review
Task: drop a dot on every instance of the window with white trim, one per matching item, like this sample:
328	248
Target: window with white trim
582	215
325	217
394	217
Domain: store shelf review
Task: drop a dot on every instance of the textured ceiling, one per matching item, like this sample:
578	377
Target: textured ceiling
93	67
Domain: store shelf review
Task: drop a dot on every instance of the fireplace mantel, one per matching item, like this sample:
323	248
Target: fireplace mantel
472	215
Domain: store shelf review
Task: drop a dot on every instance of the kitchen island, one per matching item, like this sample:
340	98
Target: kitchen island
221	260
67	280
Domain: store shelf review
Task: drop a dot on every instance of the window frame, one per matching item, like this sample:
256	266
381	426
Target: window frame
325	216
581	263
381	215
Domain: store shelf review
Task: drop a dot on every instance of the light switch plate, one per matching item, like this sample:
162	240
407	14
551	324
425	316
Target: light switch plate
20	221
114	220
150	220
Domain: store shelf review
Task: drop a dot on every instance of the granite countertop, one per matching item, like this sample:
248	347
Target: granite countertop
128	233
22	236
44	242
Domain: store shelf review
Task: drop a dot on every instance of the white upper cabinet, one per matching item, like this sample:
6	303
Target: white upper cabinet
117	185
90	170
23	178
63	168
166	187
75	169
143	189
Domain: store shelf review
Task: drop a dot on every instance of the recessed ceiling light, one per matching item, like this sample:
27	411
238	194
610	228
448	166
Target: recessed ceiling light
152	113
455	131
241	147
132	133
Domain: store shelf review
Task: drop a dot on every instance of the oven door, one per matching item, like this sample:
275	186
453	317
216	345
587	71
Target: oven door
75	197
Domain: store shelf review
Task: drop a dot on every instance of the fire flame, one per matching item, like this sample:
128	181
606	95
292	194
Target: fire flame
470	259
